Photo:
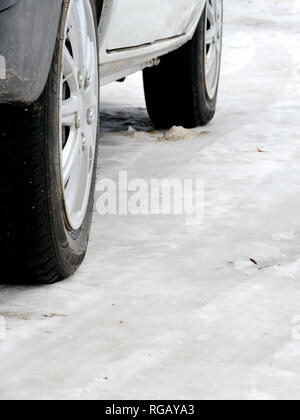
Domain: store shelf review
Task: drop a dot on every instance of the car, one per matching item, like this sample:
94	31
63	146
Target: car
54	57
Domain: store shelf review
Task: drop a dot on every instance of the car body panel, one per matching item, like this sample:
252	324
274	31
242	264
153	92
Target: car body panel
28	31
149	21
5	4
118	63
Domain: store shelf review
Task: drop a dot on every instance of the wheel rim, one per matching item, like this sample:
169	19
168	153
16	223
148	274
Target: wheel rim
213	45
78	110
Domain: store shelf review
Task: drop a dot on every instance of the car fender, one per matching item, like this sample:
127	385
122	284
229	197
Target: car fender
28	32
5	4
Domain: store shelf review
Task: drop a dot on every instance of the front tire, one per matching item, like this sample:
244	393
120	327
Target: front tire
49	161
183	88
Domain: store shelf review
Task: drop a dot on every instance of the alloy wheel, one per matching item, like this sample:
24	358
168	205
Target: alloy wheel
78	110
213	45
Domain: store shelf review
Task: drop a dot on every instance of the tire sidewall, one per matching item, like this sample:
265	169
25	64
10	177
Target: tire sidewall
206	99
70	246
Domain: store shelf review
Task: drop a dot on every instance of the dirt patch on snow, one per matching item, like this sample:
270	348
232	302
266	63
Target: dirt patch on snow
178	133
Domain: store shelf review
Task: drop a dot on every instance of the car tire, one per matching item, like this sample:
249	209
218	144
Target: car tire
182	90
43	238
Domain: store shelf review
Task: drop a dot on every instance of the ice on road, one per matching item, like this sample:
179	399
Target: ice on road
164	310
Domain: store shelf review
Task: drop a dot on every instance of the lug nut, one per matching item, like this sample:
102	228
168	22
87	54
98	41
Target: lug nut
87	81
90	116
80	80
77	122
83	142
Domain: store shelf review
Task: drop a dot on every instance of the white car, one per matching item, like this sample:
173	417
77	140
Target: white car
54	56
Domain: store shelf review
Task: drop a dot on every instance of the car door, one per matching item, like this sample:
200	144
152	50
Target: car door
139	22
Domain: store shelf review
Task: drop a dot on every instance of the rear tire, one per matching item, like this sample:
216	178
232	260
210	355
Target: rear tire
38	243
178	91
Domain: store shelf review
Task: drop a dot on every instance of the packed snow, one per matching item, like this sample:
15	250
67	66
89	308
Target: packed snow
162	310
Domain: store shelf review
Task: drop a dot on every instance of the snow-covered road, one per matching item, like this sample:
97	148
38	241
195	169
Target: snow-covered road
165	310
